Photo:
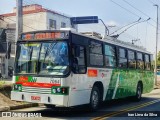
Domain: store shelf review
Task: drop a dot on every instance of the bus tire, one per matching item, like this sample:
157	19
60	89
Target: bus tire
138	95
94	98
49	106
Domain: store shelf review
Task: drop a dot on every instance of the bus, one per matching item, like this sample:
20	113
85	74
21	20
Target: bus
66	68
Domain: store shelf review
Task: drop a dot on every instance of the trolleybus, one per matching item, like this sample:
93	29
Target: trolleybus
65	68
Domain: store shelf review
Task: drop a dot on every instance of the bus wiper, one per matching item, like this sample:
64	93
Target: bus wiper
49	48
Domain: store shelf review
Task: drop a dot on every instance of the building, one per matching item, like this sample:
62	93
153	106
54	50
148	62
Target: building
35	17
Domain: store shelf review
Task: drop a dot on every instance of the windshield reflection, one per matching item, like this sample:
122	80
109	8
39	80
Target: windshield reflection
53	58
49	58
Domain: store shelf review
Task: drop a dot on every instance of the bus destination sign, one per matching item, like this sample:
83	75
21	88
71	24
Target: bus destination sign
43	35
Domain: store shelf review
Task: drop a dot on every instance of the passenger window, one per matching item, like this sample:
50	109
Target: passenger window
79	64
147	63
122	62
96	56
131	59
110	56
140	61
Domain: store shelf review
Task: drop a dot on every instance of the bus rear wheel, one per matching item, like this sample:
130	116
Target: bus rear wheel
138	92
94	98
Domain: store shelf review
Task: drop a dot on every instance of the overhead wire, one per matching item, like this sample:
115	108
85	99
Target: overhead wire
125	9
129	11
132	12
139	10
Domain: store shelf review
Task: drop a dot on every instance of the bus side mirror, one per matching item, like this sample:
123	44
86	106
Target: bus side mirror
76	51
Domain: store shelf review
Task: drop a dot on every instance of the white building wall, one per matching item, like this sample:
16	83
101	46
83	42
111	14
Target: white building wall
34	22
37	21
58	19
31	22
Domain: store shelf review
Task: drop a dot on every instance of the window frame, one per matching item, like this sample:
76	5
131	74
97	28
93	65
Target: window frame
135	58
102	50
118	57
85	60
115	56
147	62
63	25
52	24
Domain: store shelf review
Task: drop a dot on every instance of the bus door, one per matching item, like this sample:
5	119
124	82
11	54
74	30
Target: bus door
79	65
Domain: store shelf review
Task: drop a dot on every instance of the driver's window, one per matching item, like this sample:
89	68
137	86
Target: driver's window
79	64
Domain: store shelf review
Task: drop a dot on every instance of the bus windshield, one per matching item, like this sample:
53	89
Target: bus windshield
43	58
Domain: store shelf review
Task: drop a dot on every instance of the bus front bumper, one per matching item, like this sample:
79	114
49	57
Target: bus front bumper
58	100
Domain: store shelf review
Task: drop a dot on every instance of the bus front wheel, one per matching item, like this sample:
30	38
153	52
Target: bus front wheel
138	92
94	98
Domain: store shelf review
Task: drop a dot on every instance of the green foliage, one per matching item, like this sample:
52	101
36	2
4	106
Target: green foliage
158	59
2	82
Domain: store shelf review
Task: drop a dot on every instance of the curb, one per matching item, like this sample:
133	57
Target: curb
8	108
5	108
24	106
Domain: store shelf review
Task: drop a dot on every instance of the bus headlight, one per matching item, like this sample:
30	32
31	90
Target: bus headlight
60	90
17	87
54	90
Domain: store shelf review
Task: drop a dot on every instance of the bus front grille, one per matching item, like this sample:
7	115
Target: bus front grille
36	90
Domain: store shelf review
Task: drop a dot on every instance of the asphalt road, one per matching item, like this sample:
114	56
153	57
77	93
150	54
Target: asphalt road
123	109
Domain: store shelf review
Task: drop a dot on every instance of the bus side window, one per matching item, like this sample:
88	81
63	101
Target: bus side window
140	61
78	60
147	62
122	62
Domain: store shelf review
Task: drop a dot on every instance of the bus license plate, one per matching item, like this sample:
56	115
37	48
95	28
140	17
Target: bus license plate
35	98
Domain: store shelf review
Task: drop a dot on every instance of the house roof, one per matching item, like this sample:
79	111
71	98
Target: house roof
36	10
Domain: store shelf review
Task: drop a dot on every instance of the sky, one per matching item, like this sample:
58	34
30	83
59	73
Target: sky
113	12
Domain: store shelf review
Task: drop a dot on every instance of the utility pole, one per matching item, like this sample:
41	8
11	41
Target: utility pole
155	71
19	29
19	18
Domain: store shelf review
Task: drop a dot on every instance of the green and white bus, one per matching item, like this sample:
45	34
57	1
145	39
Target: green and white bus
65	68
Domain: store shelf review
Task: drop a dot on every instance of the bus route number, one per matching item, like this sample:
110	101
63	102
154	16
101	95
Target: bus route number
55	81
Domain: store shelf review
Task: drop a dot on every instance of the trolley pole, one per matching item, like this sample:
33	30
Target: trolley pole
155	72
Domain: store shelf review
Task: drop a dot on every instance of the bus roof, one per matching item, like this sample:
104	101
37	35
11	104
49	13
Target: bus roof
117	42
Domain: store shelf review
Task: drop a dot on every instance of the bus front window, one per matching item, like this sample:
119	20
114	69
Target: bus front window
54	58
45	58
27	59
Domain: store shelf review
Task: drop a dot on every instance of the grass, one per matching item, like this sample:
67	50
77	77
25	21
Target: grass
2	82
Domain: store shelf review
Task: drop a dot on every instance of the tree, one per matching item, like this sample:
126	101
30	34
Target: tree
158	59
